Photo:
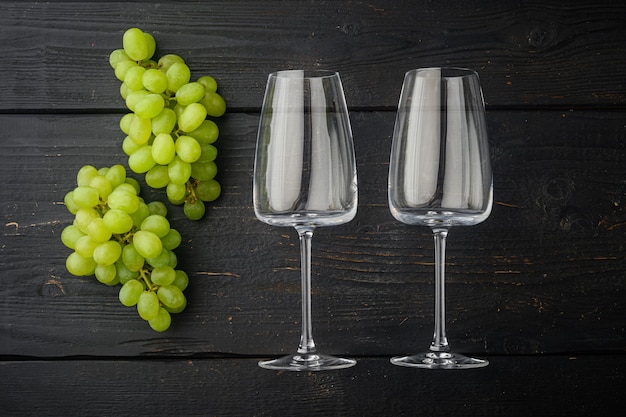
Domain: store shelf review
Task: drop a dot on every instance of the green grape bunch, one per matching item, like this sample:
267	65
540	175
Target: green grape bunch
123	240
169	134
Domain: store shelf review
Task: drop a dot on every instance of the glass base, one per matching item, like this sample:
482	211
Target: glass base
439	360
307	362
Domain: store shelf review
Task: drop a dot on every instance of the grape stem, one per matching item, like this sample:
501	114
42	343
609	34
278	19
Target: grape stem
147	64
101	207
191	196
143	274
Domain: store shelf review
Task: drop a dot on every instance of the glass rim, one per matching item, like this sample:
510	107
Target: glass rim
307	73
448	72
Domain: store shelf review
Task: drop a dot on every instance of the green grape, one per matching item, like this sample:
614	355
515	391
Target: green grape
123	200
102	185
178	110
124	91
85	246
83	217
140	130
203	171
98	230
209	153
129	146
133	183
133	77
85	174
141	213
179	171
122	68
163	275
208	190
135	97
141	160
192	117
123	273
116	175
187	148
117	56
103	171
151	43
162	260
171	296
71	234
130	292
178	74
164	122
130	186
156	224
163	148
166	61
206	133
157	207
147	244
194	210
149	106
117	221
177	309
161	322
68	200
171	240
148	305
154	80
182	280
157	177
190	93
136	44
214	104
176	192
79	266
107	253
106	274
114	282
173	261
131	258
208	82
125	122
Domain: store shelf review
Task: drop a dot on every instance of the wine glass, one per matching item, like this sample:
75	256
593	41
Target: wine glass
305	177
440	176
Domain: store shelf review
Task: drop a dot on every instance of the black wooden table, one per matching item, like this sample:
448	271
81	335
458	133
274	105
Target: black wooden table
538	288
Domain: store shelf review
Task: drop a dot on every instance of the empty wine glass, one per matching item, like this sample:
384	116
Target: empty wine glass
440	176
305	177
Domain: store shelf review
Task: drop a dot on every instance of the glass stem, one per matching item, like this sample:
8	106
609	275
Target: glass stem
307	345
440	341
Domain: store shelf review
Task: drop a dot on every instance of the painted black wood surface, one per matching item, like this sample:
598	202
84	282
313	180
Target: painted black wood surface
538	288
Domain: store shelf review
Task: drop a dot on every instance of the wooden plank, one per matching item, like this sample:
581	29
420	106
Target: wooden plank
539	53
511	386
538	289
543	274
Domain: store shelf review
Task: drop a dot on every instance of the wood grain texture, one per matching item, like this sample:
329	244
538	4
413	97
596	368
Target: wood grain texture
538	288
543	274
511	386
536	53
